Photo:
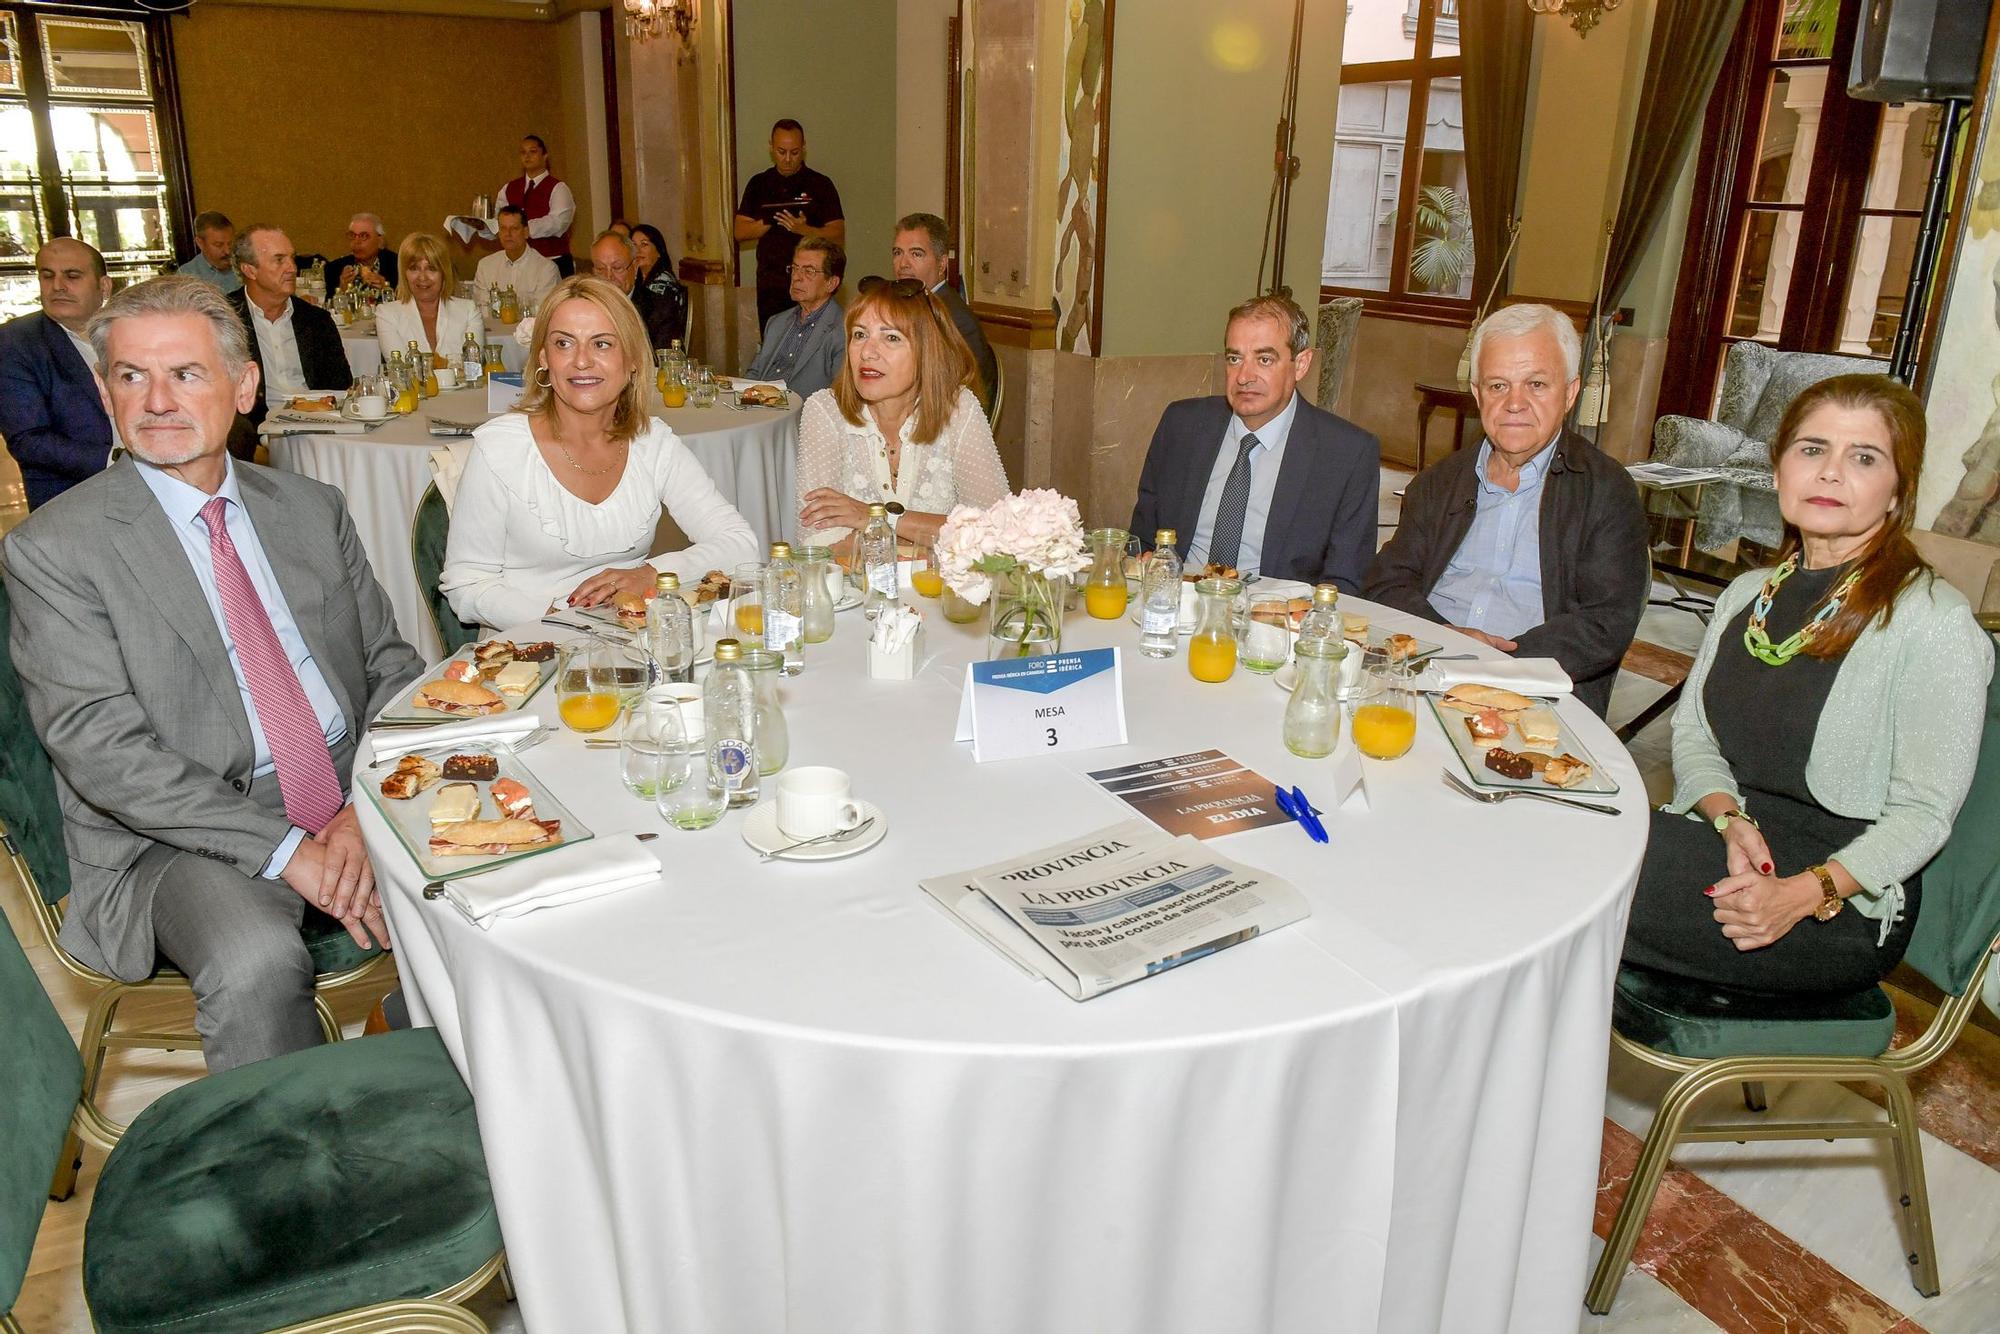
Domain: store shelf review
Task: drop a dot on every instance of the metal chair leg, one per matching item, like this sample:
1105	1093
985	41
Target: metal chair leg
1753	1095
507	1281
67	1166
1646	1175
1915	1192
97	1022
328	1025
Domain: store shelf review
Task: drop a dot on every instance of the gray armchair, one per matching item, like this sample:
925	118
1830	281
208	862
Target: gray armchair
1758	383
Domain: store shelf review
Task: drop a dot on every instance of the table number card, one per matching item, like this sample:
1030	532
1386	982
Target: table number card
1349	780
1013	707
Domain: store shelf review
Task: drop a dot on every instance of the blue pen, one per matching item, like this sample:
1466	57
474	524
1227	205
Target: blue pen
1285	803
1308	816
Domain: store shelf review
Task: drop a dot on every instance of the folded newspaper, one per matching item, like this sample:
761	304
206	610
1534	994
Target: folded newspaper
1114	906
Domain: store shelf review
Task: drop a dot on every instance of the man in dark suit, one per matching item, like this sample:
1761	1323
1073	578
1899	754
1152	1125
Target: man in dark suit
613	259
1260	479
920	250
295	344
201	642
1535	542
50	414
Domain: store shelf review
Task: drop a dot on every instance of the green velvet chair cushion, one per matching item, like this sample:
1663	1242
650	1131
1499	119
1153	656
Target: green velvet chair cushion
1703	1022
332	949
40	1078
1960	914
28	805
428	533
291	1188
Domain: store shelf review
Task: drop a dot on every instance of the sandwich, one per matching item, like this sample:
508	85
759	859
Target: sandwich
412	774
464	698
513	798
631	609
1401	647
1473	697
474	838
517	678
455	803
1297	609
713	585
1566	770
1354	625
761	396
493	653
1539	728
311	403
1487	727
458	669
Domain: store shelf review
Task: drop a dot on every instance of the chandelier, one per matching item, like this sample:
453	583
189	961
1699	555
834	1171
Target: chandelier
647	19
1583	15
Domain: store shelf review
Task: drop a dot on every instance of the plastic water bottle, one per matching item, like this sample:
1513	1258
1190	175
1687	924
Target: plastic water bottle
878	562
1160	614
784	608
670	632
729	720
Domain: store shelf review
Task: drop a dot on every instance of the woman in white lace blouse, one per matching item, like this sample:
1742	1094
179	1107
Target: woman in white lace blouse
899	423
560	497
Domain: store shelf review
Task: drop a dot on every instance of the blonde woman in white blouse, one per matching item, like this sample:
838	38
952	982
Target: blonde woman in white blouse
424	310
560	497
899	423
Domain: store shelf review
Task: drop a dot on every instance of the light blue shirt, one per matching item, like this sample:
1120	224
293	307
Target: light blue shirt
223	280
1494	580
183	504
1267	456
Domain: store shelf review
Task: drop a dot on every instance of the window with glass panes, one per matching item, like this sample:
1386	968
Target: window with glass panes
83	148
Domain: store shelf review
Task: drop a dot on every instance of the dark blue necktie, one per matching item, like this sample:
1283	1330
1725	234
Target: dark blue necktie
1229	512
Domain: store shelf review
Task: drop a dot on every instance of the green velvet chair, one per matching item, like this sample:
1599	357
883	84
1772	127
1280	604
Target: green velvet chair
31	830
339	1188
1715	1039
428	532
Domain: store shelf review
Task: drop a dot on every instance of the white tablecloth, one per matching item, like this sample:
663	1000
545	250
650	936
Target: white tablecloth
364	352
752	455
800	1097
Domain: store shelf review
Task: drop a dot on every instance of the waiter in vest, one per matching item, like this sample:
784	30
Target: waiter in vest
549	205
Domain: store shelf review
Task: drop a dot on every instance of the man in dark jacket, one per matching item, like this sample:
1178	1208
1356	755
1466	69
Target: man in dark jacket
296	344
50	413
1535	542
920	249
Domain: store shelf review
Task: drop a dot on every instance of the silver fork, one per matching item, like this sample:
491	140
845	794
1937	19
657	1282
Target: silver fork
1489	797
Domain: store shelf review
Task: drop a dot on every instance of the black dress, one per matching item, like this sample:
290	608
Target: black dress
1764	719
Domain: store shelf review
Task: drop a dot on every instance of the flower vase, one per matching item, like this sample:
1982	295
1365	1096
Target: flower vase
1027	610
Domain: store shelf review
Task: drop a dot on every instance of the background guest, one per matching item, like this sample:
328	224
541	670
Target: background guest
546	202
1259	479
803	343
1535	542
654	268
560	497
1827	734
296	344
783	205
424	312
50	413
365	262
898	425
920	251
613	259
515	264
214	235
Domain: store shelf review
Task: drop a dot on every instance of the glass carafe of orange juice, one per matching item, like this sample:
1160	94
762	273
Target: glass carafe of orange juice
1312	717
1385	724
1212	650
587	688
510	306
1104	590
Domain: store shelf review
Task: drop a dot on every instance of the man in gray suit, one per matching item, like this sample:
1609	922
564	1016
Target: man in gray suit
919	252
201	642
805	344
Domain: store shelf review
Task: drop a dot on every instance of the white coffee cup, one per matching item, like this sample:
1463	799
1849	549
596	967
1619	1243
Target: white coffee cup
447	377
836	582
814	801
371	407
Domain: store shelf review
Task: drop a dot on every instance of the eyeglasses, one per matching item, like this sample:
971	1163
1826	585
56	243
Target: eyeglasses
807	269
903	287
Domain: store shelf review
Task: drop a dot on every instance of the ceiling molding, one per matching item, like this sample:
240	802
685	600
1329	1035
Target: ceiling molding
519	11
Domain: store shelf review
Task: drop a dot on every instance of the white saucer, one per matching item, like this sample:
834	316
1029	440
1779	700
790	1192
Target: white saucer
760	831
849	600
348	413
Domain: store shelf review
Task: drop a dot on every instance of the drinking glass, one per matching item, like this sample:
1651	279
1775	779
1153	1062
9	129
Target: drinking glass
630	671
703	394
746	603
1385	723
650	745
1267	634
587	687
927	579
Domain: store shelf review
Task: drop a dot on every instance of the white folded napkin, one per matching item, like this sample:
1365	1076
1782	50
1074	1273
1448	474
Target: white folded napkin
501	727
566	875
1529	676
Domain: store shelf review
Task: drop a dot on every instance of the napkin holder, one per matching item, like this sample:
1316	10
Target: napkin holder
504	390
897	664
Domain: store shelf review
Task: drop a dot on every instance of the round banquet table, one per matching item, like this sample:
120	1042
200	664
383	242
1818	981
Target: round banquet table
752	455
801	1097
364	350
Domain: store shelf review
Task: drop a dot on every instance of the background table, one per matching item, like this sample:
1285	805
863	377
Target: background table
752	455
801	1097
364	351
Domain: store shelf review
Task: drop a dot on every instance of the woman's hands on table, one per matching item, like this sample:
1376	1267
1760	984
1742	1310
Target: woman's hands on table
825	507
605	585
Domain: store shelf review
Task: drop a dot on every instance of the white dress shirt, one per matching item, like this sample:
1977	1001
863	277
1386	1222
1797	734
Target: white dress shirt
562	206
1266	458
521	541
278	349
83	347
532	276
399	323
182	504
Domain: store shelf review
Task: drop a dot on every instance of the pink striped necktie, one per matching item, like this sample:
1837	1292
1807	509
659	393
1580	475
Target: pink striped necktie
297	743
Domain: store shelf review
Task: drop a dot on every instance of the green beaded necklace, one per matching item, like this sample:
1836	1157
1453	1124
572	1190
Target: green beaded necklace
1759	643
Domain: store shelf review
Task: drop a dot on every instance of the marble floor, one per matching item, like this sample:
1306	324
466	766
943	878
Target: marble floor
1748	1239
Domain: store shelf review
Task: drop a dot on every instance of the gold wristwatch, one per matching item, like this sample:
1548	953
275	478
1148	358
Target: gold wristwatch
1830	900
1721	822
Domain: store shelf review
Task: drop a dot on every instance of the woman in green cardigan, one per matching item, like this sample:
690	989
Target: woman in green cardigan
1827	734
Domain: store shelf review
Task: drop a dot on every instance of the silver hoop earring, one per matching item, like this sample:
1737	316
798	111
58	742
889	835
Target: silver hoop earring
542	378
